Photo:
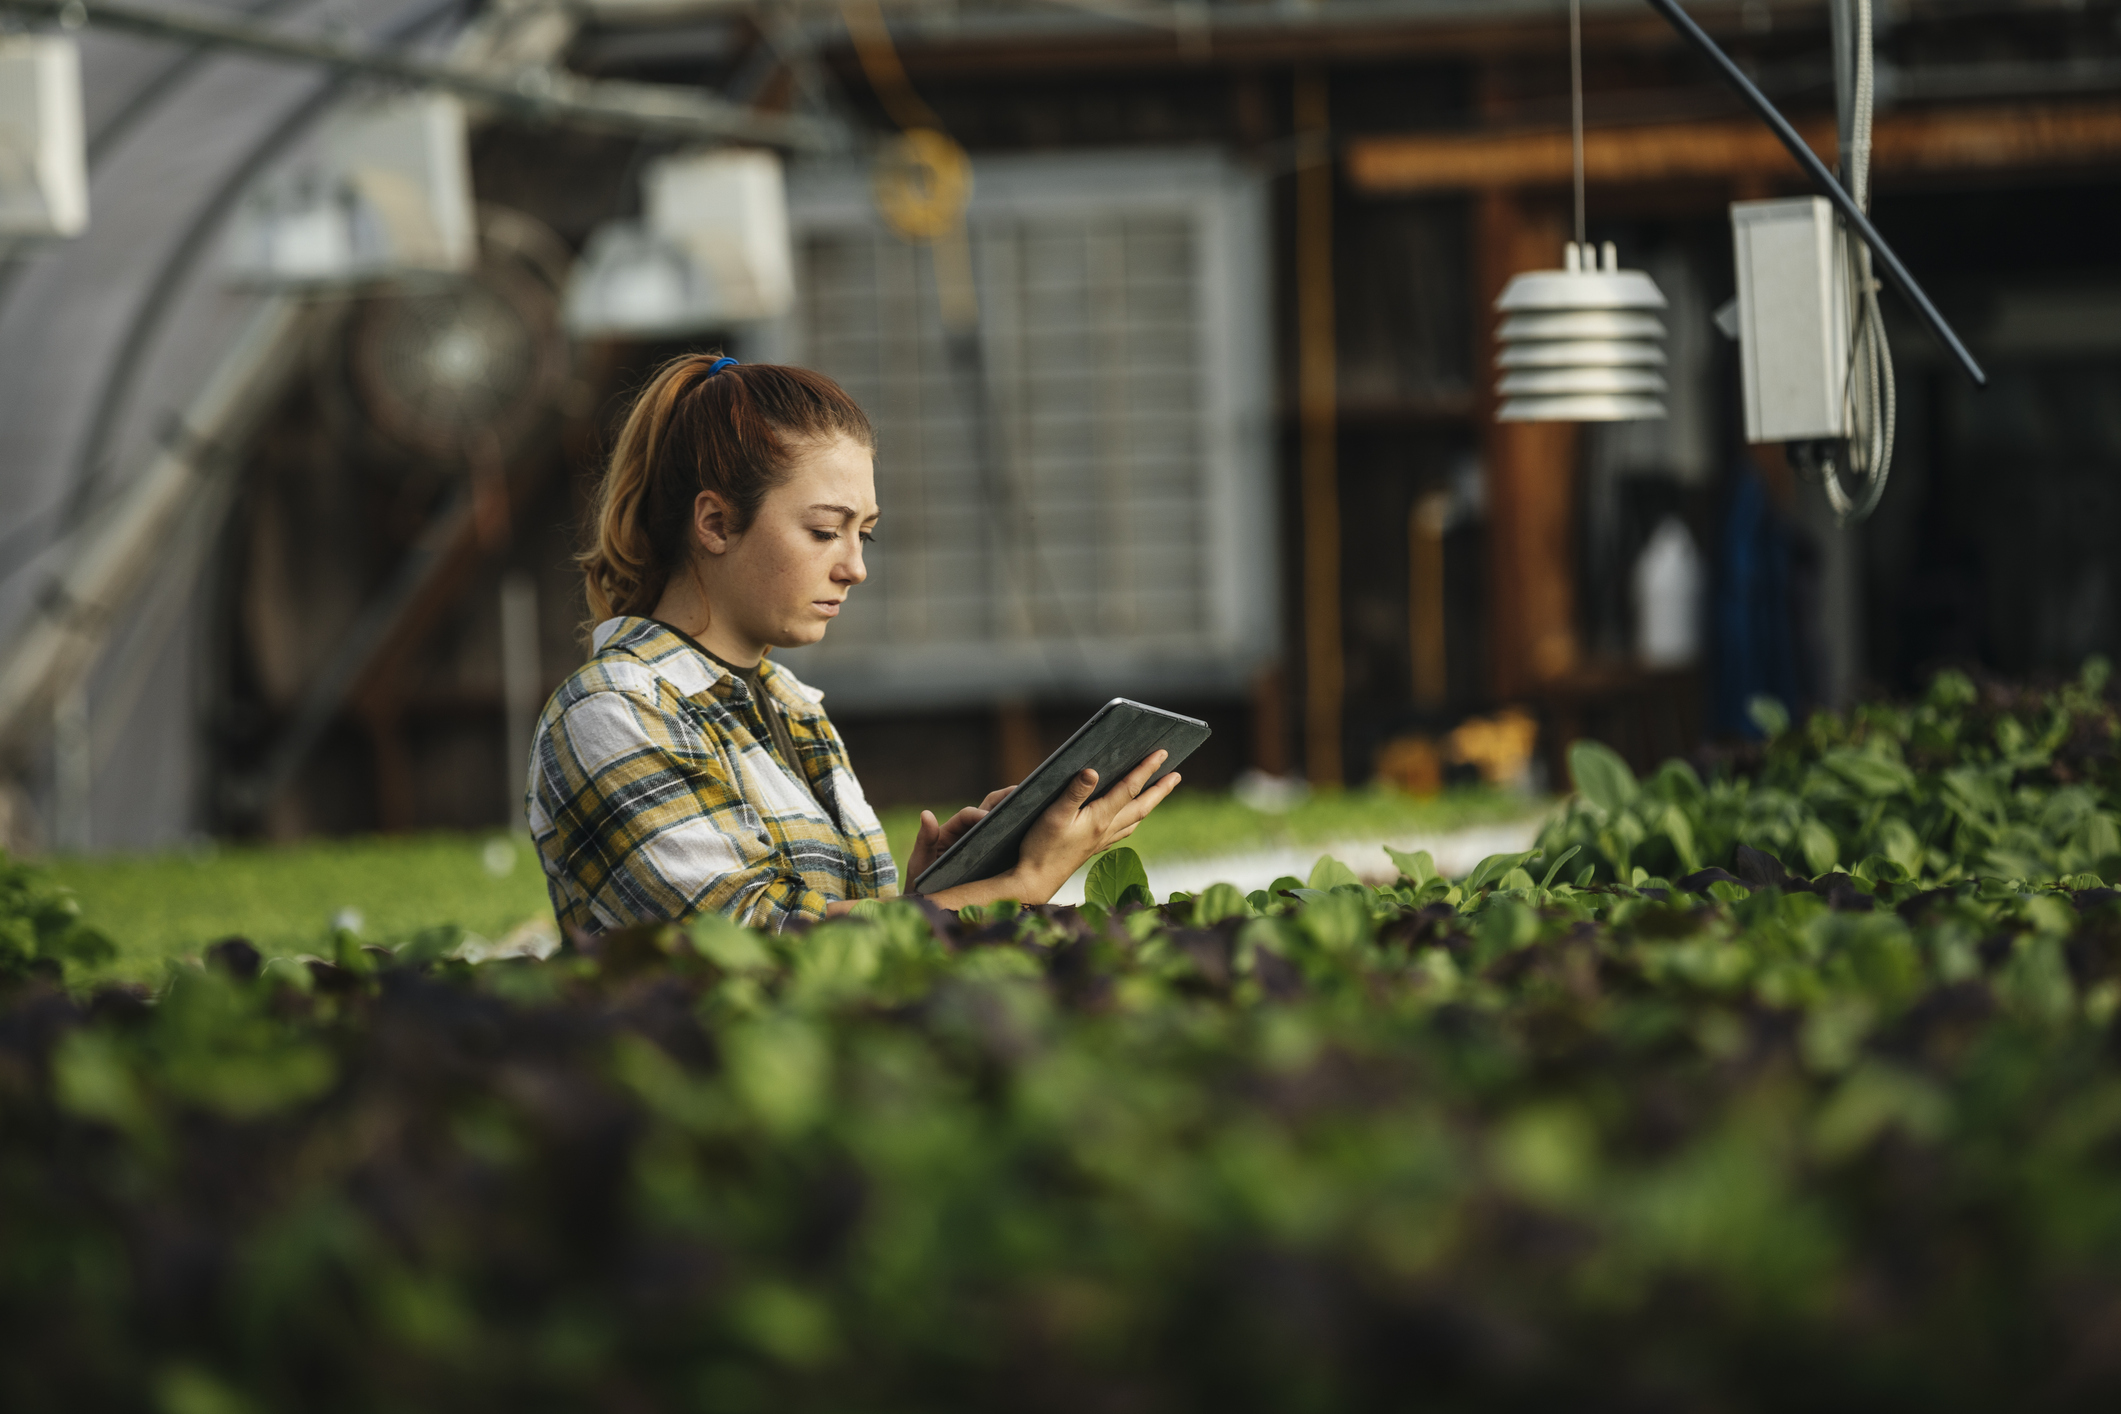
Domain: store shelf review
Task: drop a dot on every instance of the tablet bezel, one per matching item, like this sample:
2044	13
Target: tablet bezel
1044	785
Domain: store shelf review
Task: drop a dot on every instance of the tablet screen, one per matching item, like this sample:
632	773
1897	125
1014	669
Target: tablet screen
1116	739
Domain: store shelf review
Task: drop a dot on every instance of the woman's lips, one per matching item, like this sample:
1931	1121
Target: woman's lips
830	608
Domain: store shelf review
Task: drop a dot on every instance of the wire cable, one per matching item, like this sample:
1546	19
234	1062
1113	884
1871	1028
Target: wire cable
1870	397
923	192
1576	108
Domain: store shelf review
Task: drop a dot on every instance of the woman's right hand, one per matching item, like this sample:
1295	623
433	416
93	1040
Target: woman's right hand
1073	830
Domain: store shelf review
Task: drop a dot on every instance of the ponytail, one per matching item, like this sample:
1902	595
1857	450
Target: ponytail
703	423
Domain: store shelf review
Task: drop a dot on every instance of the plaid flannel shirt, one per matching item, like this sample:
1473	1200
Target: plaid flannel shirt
655	793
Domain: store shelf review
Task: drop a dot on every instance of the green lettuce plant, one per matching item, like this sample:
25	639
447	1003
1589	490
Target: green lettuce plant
1959	785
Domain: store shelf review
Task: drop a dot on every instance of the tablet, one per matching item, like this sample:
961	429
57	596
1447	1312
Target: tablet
1116	739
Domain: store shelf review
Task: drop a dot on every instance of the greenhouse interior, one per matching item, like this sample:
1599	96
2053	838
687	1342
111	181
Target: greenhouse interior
1473	761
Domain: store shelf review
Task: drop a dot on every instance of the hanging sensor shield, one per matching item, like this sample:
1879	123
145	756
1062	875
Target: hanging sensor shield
1581	344
1793	319
1815	364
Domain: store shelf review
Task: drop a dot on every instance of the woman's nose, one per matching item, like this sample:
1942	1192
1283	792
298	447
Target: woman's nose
852	569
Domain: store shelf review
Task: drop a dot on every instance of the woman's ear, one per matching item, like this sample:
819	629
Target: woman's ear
710	523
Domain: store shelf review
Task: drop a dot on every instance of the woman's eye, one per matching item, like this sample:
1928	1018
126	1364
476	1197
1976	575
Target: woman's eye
868	537
824	536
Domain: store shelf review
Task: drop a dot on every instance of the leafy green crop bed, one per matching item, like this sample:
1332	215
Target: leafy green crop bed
284	899
1958	786
1654	1117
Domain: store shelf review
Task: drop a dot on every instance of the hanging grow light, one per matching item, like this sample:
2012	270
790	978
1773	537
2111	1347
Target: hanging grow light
711	250
1582	343
388	196
43	170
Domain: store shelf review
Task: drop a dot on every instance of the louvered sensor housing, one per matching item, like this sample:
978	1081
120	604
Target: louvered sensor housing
1581	344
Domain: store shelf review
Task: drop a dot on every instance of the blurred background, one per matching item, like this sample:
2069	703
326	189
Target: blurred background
1175	320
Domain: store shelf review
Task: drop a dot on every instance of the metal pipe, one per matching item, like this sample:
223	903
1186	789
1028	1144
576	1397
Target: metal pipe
1824	180
538	94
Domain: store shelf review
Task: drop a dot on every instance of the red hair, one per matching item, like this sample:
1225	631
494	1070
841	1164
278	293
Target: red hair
692	430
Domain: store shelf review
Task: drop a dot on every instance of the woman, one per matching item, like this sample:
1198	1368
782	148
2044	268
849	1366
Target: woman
679	771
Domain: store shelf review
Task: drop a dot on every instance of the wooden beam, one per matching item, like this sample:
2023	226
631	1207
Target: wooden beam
1934	140
1273	43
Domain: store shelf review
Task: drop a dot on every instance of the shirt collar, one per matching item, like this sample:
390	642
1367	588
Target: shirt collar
649	640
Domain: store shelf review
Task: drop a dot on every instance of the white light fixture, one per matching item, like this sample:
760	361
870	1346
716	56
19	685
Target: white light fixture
390	196
43	156
712	249
1582	343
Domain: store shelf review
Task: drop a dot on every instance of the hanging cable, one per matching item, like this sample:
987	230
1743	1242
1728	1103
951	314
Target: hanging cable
1576	108
922	186
1869	395
880	63
923	180
1582	343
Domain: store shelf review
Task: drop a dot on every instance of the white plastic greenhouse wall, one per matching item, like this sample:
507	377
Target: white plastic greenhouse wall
107	337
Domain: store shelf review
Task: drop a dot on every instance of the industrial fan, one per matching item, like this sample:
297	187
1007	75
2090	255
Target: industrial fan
461	371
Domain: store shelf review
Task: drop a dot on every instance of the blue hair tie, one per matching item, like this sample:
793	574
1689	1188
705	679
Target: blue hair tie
720	364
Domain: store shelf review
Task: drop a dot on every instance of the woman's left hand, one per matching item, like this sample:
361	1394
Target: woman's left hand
936	836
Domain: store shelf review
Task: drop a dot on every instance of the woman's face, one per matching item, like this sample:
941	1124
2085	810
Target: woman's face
782	581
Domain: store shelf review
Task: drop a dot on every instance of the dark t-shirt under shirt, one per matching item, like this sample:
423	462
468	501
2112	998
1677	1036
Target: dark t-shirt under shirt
776	725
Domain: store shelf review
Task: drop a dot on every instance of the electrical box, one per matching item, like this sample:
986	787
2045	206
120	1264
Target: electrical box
389	196
712	249
43	155
1793	319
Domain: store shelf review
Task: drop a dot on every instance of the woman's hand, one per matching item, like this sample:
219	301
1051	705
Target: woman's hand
1073	830
936	837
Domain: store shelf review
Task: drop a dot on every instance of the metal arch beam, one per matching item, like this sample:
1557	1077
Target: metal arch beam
538	95
14	262
150	94
111	548
147	318
115	128
77	502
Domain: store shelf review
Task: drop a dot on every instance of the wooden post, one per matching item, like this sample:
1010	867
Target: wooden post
1530	469
396	784
1317	413
1425	598
1270	726
1016	739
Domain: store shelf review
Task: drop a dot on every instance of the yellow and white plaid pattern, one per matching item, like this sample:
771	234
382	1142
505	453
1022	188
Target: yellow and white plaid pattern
655	793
